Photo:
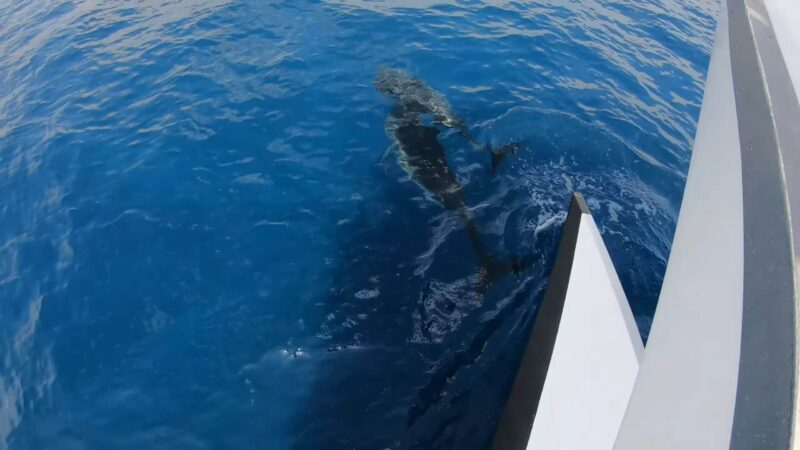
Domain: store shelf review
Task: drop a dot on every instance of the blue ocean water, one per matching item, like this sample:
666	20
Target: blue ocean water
201	247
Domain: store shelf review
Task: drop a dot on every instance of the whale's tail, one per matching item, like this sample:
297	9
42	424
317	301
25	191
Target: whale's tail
497	158
493	270
499	154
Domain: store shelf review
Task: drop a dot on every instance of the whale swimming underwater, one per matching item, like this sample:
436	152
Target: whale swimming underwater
423	158
415	98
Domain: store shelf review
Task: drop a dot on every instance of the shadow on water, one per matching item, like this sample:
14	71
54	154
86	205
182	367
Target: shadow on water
407	337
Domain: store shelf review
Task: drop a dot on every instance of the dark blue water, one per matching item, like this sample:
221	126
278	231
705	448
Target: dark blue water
200	247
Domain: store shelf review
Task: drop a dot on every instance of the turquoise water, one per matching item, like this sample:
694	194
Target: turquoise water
201	246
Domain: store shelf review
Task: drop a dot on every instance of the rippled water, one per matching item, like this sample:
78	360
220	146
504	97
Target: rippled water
200	246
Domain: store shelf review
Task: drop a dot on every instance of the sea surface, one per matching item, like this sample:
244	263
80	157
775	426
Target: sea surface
202	245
